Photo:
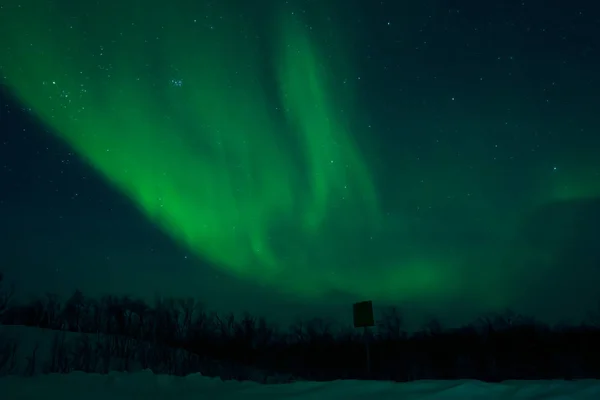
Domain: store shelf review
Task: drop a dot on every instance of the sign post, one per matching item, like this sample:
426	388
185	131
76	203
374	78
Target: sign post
363	318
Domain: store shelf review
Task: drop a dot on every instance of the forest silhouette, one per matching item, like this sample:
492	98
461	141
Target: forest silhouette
180	337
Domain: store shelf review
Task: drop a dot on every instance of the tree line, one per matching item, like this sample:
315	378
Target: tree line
492	348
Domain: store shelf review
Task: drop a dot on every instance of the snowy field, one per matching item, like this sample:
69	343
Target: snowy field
26	380
146	385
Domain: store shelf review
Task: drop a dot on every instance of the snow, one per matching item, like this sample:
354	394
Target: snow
39	351
144	384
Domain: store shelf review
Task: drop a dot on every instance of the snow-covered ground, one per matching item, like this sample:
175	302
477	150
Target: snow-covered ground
146	385
29	351
26	381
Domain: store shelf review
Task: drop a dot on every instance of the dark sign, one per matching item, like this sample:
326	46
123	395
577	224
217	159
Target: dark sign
363	314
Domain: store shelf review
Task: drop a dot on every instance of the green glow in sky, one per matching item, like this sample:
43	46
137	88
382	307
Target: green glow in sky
185	125
245	142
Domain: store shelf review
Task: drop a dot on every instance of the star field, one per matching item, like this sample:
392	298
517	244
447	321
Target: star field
441	155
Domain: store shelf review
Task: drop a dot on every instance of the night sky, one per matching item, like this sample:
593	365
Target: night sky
292	157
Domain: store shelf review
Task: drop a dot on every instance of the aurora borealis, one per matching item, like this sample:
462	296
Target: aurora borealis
315	149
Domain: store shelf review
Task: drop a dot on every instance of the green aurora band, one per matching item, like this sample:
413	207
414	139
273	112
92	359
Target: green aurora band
239	140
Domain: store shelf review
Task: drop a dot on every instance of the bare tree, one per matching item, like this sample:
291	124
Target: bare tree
5	295
225	325
246	329
433	327
390	324
264	333
52	311
319	329
74	310
188	308
298	331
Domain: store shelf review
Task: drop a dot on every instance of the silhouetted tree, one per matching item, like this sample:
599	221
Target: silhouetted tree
6	295
73	310
180	336
390	324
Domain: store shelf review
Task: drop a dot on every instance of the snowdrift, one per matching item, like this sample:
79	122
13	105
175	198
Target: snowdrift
146	385
24	378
